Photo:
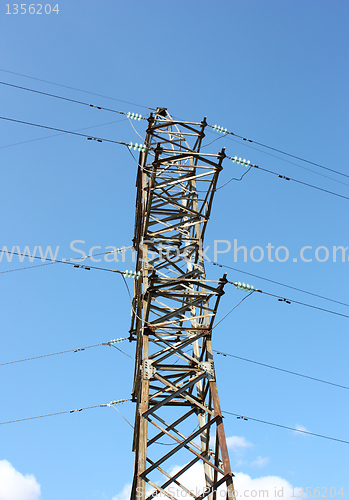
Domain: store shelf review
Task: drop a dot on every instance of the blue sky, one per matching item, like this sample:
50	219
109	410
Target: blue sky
275	72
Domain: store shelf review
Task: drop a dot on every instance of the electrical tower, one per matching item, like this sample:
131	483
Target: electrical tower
178	417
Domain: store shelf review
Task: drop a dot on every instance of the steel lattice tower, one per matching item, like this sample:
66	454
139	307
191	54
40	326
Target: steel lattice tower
173	311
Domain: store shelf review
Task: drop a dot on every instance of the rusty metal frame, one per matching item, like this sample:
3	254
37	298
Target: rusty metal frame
173	310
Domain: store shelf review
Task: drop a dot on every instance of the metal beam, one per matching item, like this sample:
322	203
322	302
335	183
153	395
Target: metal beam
173	311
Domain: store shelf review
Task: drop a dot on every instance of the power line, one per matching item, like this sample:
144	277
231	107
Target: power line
66	411
28	267
153	109
231	310
285	427
230	282
248	164
73	88
281	369
57	135
62	98
118	348
282	299
280	151
303	183
110	344
288	161
63	131
215	263
123	416
120	401
67	99
66	261
234	179
75	264
124	144
289	301
49	414
279	283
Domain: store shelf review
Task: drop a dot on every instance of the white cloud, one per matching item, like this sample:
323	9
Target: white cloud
124	494
15	486
261	461
238	443
262	487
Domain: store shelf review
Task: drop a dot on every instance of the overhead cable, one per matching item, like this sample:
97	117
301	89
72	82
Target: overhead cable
225	131
127	273
110	343
237	415
64	261
289	301
287	161
142	147
248	164
281	369
120	401
248	288
278	283
98	139
231	310
63	98
112	403
218	129
74	88
137	275
27	267
63	133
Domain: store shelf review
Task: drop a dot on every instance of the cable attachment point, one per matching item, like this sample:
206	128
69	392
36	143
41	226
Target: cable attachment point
94	139
134	116
241	161
117	402
243	418
115	341
220	129
82	267
284	300
132	274
94	106
118	250
243	286
140	147
283	177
